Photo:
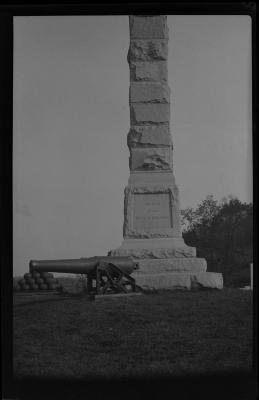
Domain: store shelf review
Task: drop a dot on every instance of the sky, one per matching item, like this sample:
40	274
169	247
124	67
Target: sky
71	119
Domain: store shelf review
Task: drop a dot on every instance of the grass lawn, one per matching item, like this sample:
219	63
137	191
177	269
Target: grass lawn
175	333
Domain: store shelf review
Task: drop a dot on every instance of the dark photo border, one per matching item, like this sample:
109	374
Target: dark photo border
227	386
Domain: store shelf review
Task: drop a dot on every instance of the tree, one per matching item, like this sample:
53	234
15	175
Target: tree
203	215
221	232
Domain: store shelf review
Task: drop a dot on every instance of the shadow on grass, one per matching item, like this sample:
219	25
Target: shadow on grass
34	300
239	385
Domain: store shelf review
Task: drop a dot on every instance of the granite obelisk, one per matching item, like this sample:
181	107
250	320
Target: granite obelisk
152	229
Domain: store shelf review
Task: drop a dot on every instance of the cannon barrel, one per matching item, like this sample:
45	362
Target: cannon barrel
83	265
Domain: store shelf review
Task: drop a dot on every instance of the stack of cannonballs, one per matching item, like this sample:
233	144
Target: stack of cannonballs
37	281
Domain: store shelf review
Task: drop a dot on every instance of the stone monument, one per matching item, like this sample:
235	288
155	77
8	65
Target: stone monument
152	229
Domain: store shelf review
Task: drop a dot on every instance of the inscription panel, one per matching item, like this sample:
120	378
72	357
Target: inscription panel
151	212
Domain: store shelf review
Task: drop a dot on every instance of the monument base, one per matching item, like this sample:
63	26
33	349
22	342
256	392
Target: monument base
154	248
168	263
178	280
176	273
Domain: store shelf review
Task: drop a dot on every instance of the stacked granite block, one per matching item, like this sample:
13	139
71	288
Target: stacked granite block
149	138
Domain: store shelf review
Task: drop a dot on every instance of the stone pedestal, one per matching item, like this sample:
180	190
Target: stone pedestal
152	229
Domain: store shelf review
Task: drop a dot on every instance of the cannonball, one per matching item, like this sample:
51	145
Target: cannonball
35	274
48	274
39	281
49	280
51	286
24	286
22	281
16	287
27	275
44	274
30	281
34	286
55	284
43	286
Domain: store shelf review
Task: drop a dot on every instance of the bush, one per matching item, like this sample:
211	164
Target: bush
239	277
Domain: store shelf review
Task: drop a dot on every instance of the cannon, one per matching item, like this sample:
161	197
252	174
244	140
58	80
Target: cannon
110	274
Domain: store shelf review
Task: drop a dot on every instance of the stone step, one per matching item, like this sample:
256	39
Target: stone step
179	280
154	265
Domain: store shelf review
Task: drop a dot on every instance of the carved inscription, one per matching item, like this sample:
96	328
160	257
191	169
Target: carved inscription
151	212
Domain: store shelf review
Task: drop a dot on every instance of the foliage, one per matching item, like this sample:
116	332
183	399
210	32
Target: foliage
222	232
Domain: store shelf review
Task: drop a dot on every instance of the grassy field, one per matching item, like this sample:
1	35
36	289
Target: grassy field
175	333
